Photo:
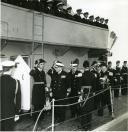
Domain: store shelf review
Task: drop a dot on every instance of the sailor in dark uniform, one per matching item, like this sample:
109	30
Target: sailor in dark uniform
10	97
69	13
60	11
85	19
118	79
75	85
111	74
97	20
96	70
86	91
124	73
59	85
77	15
49	8
102	22
104	84
38	92
91	20
106	23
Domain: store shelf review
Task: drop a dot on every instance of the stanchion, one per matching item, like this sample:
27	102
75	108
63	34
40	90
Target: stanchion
53	101
111	99
120	91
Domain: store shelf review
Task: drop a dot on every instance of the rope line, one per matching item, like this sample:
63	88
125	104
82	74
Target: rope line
82	100
57	124
61	105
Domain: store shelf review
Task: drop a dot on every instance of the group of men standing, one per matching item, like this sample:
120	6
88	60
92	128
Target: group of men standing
83	90
78	86
58	8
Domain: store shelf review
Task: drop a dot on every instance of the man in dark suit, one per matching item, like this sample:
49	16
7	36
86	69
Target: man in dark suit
39	87
85	19
69	13
111	74
87	88
49	8
106	23
77	15
124	73
91	20
102	22
10	97
97	20
118	79
75	85
60	11
104	85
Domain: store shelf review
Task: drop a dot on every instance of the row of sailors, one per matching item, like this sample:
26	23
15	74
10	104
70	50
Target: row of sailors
57	9
75	83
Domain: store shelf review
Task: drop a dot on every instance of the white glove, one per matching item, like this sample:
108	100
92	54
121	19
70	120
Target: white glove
46	89
51	94
16	118
67	94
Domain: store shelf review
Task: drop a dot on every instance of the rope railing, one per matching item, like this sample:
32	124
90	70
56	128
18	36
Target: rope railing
96	120
71	119
82	100
66	105
53	125
98	92
20	115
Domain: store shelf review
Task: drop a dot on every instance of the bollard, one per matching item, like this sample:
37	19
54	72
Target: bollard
53	101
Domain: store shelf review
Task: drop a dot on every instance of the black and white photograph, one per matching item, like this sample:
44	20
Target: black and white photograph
63	65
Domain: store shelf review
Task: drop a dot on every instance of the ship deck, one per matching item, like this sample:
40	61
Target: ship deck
26	123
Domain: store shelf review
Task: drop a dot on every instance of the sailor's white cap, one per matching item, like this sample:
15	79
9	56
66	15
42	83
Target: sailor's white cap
8	63
59	64
49	1
73	65
60	3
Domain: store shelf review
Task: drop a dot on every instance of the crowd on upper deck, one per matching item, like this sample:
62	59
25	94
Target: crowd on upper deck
58	8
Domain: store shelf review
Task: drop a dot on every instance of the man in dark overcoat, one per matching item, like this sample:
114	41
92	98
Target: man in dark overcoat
38	91
87	106
10	97
75	85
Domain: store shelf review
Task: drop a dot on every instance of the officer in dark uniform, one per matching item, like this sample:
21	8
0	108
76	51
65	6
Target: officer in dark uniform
52	73
104	85
91	20
77	15
96	70
111	74
85	19
59	85
102	22
49	8
106	23
97	20
38	92
118	79
124	73
10	97
87	106
69	13
60	11
42	5
75	85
